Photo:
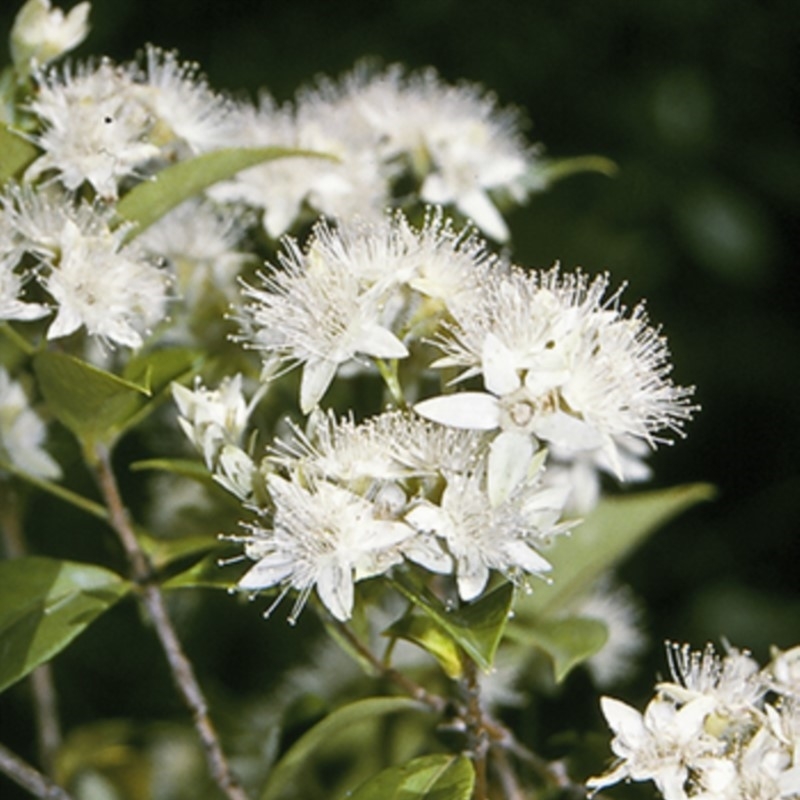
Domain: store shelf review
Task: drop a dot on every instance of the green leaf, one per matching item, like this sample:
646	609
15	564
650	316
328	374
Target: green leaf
92	403
430	636
152	199
288	768
436	777
568	641
477	627
15	153
602	540
44	605
185	467
206	574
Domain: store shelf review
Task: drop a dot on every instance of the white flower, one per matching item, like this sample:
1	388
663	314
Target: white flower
661	745
462	148
94	130
41	33
349	180
616	608
322	537
22	432
784	671
110	290
318	311
190	117
201	241
732	681
562	363
11	287
481	537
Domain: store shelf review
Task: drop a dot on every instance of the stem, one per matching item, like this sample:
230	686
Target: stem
29	778
45	702
411	687
388	371
479	738
182	671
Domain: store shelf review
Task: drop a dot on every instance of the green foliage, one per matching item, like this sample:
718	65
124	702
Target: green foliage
603	539
206	573
568	641
286	771
437	777
98	406
15	153
44	605
152	199
92	403
476	627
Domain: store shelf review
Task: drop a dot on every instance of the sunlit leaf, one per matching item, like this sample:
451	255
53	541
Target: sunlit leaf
44	605
152	199
15	153
477	627
288	768
92	403
430	636
436	777
568	641
602	540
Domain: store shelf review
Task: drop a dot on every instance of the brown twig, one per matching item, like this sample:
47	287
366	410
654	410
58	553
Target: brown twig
153	600
479	737
29	778
409	686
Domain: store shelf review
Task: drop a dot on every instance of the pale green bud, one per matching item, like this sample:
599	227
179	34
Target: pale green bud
40	34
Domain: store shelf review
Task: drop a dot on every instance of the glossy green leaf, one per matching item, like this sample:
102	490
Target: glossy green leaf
92	403
568	641
602	540
15	153
435	777
152	199
477	627
288	768
430	636
44	605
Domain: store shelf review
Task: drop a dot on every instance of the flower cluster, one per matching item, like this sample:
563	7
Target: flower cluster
722	729
458	484
72	250
455	144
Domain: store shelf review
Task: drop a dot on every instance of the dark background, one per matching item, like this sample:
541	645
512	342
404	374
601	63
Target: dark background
697	102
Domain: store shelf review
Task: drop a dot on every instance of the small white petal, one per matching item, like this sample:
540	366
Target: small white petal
267	572
317	376
510	456
335	589
376	340
471	410
498	363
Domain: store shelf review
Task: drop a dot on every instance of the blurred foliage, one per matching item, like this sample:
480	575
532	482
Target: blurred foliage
697	102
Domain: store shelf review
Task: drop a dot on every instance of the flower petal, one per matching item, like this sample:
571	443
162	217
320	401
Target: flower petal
472	410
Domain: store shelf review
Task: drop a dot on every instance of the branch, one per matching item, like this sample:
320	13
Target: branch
29	778
153	600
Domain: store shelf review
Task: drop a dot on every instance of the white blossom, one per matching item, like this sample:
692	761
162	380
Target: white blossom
93	129
464	150
22	432
324	537
561	363
317	310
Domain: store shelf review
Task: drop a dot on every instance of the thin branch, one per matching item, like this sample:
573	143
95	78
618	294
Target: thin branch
409	686
153	599
45	702
29	778
479	738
